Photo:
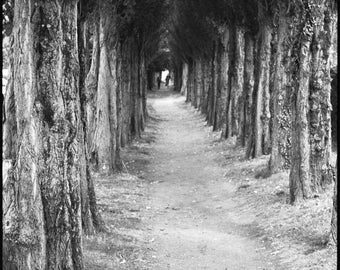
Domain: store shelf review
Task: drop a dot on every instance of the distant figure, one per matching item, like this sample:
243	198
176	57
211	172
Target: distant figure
159	82
167	79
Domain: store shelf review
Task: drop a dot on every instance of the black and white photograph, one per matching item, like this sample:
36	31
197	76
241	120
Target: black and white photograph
169	134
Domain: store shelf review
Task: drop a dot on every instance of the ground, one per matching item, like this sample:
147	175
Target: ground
188	200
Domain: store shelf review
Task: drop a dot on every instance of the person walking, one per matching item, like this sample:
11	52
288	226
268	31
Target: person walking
167	79
159	82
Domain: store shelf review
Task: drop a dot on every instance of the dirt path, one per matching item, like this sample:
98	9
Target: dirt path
193	220
188	200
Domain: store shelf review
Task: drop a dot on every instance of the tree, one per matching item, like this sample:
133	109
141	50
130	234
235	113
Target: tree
45	175
334	226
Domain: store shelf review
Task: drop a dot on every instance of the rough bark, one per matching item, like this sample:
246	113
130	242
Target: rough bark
319	100
184	79
299	178
248	86
335	208
224	79
104	140
211	90
91	87
194	84
237	84
279	91
217	86
91	218
262	113
205	67
231	56
43	223
190	82
85	205
9	129
126	92
198	71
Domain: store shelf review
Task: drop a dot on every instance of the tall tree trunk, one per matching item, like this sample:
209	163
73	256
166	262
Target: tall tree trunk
217	84
276	160
204	67
299	178
229	103
319	101
199	83
335	208
85	202
190	82
248	87
126	92
237	83
194	84
224	79
91	218
91	87
184	87
9	128
43	223
104	141
213	92
262	113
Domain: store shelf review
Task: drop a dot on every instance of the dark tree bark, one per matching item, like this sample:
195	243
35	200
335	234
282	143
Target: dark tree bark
299	178
9	128
224	79
43	223
104	139
217	85
319	100
276	161
262	113
91	218
334	226
184	87
248	87
91	87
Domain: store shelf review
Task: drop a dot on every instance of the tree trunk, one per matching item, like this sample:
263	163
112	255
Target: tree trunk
248	86
299	178
217	85
199	83
43	223
126	92
237	83
85	204
104	141
212	89
91	219
319	101
194	84
262	113
184	87
9	128
91	87
204	67
335	208
190	82
276	160
231	56
224	79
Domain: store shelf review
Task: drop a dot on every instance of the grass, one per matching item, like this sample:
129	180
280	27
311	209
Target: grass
121	201
297	234
123	245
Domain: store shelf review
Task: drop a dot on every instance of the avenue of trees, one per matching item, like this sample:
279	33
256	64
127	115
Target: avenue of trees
261	71
76	94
